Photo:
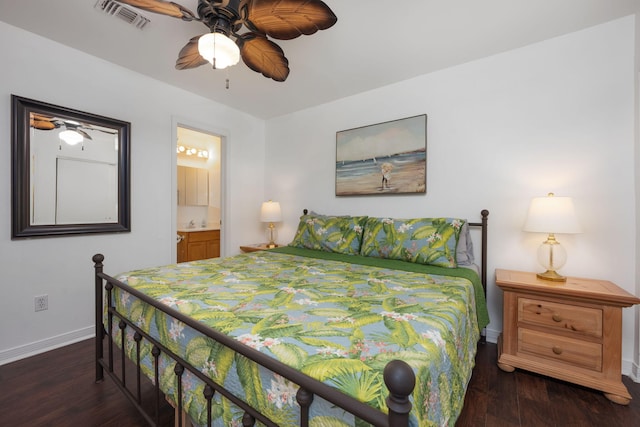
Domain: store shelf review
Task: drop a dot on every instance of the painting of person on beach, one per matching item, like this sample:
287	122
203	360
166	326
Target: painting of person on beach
367	157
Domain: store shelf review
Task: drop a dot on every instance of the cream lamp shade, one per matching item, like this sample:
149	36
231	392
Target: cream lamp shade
552	215
270	212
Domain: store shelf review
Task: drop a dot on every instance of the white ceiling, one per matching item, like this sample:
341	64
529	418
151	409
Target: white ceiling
373	44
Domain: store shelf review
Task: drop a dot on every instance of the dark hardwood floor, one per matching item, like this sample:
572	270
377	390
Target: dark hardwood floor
57	389
496	398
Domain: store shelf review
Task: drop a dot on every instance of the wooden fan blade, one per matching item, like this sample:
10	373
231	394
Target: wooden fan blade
162	7
189	57
39	116
288	19
41	122
263	56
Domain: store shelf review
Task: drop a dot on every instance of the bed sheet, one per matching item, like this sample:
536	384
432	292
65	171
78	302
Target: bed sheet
339	322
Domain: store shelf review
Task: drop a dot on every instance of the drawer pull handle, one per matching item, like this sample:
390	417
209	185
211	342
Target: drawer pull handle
556	317
557	350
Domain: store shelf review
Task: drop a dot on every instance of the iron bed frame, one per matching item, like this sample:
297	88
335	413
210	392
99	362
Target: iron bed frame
398	376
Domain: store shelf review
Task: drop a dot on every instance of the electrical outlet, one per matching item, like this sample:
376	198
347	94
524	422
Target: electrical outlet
41	302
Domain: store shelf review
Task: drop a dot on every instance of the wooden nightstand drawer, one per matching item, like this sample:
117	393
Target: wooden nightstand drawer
574	352
565	317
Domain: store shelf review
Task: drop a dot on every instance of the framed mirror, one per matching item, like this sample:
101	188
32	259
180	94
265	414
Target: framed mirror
70	171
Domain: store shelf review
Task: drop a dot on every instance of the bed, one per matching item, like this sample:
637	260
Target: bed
359	321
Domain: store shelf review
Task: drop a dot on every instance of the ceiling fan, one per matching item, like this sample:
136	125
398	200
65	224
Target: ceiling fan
72	132
42	122
278	19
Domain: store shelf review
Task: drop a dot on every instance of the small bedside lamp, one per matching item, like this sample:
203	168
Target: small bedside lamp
552	215
271	213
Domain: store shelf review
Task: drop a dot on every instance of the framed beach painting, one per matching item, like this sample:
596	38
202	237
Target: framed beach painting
385	158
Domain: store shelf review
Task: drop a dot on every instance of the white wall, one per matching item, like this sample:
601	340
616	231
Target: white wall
636	365
61	267
554	116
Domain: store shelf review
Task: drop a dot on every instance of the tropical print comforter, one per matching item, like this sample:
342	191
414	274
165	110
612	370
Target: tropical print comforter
337	318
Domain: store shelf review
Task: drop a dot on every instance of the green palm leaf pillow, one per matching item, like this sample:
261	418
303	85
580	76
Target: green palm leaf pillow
340	234
430	241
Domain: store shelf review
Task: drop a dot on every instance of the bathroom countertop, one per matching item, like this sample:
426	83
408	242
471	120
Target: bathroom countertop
194	229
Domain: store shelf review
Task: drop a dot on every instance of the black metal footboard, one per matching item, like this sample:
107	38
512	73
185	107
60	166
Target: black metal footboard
398	376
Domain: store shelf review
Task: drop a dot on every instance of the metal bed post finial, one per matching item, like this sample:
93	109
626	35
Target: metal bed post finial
400	381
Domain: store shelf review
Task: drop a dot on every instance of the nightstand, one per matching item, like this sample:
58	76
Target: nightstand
255	247
569	330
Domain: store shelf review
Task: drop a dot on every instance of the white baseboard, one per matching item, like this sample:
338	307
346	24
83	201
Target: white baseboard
634	372
31	349
492	335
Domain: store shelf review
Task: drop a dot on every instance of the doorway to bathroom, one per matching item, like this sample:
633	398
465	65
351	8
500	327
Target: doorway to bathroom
199	186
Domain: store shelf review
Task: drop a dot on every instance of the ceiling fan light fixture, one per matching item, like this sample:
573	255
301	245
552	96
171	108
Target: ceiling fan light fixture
71	137
219	50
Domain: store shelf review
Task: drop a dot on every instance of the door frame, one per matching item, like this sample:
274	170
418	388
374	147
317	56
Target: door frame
223	134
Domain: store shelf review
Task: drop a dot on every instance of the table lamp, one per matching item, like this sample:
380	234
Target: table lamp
553	215
270	212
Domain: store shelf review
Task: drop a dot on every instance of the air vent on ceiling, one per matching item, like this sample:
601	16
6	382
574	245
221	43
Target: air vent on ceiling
128	15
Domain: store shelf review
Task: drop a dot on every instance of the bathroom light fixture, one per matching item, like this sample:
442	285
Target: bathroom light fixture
190	151
552	215
270	212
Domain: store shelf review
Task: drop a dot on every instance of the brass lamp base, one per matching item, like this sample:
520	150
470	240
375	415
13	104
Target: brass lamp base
272	243
552	276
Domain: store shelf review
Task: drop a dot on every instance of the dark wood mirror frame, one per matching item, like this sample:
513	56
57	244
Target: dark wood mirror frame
21	225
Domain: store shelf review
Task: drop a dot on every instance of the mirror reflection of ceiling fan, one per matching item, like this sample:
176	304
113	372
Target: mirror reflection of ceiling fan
225	44
72	132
